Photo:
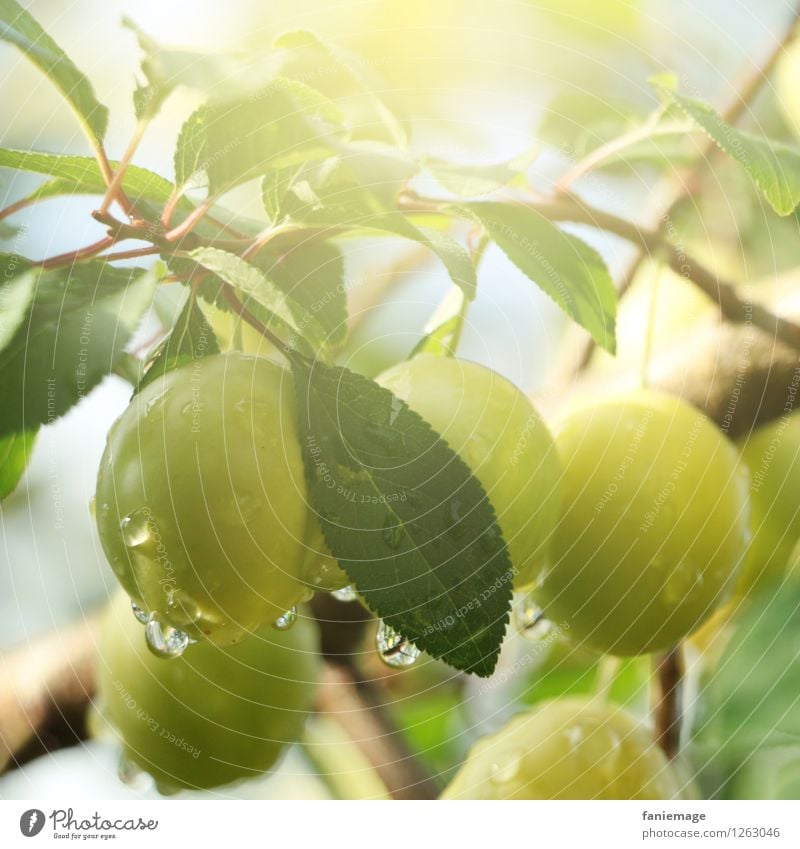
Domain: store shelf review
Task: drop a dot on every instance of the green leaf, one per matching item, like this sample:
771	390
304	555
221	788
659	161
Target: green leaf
81	175
773	166
467	181
749	701
283	124
312	274
443	331
278	310
16	293
336	71
20	28
75	329
15	451
407	520
571	272
191	338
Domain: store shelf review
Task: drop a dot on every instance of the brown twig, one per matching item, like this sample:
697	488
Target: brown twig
668	669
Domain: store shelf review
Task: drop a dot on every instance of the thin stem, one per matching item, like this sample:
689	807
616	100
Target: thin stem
667	704
71	257
115	186
238	307
108	176
169	208
131	254
188	224
264	238
18	205
608	150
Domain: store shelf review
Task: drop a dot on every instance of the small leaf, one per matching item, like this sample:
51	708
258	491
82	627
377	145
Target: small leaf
571	272
190	339
75	329
81	175
467	181
20	28
15	452
773	166
16	293
443	331
278	310
309	57
405	517
283	124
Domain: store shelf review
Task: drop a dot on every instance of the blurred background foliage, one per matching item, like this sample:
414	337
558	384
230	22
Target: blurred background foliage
480	83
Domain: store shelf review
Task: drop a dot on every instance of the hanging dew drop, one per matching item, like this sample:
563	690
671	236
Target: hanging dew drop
286	620
164	640
347	593
529	620
140	615
93	507
502	773
131	775
394	649
135	529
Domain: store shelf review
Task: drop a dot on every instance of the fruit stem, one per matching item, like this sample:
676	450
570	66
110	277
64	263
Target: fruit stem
668	670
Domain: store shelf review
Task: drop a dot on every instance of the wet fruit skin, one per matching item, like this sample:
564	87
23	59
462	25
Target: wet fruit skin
200	498
502	438
654	524
772	455
215	714
572	748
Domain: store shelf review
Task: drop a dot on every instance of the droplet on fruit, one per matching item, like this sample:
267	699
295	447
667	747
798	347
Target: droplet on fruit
140	615
164	640
92	506
347	593
183	609
529	620
392	534
502	773
285	620
394	649
135	528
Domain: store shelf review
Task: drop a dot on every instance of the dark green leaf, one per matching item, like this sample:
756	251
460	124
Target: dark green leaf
75	328
773	166
15	451
190	339
278	309
81	175
405	517
312	274
20	28
567	269
283	124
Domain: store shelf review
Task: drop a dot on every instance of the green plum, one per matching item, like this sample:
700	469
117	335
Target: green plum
201	498
213	716
772	455
502	438
654	528
571	748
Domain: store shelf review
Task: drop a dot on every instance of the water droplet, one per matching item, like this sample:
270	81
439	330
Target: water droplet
135	528
529	620
394	649
164	640
347	593
285	620
140	615
92	506
131	775
183	609
501	773
392	533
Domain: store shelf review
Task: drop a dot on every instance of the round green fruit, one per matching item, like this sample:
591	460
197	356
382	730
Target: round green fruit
201	499
772	455
502	438
654	524
572	748
215	715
